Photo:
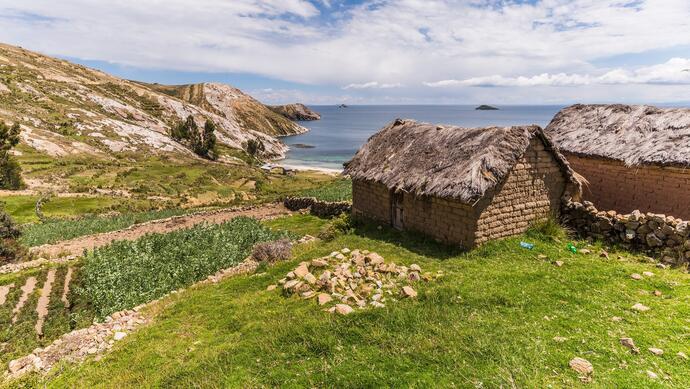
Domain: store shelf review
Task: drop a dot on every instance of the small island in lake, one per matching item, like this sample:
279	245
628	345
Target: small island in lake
302	146
484	107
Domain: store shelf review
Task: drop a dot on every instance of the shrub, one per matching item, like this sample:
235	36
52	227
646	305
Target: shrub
10	249
255	147
10	172
339	225
549	228
278	250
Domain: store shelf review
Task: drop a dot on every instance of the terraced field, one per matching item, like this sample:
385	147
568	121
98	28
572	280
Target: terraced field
37	307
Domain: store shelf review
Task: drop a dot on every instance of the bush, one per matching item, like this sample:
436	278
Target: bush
278	250
549	228
339	225
10	249
128	273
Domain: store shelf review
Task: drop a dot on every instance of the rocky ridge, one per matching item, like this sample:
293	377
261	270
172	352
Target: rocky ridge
299	112
67	109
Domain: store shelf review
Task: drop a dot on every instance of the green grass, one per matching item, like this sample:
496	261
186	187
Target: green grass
56	230
127	273
338	190
298	224
23	208
489	322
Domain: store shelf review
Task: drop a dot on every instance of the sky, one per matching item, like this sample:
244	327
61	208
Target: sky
377	51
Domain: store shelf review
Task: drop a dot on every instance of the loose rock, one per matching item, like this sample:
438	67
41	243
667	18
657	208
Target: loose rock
343	309
324	298
409	292
628	342
640	307
656	351
581	366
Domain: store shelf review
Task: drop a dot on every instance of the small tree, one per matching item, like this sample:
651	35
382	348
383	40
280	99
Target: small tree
210	139
255	147
10	171
203	143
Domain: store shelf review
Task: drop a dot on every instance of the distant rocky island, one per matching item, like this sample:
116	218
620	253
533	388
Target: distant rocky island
302	146
484	107
298	112
343	106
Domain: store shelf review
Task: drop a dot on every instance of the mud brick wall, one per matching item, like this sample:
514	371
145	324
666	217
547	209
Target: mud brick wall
614	186
532	191
665	237
371	200
446	220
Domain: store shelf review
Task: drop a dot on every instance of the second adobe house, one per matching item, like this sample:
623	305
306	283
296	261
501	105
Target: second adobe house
460	185
634	157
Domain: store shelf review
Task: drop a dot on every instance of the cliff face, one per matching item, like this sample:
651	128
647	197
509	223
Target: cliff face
299	112
64	109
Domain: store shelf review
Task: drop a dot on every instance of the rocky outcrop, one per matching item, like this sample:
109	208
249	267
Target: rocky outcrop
485	107
660	235
66	109
297	111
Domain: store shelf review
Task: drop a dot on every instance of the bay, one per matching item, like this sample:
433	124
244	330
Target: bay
336	138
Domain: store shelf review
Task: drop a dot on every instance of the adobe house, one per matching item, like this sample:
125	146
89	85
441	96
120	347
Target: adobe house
634	156
459	185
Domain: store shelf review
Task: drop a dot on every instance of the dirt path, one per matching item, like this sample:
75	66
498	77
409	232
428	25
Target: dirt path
43	301
76	247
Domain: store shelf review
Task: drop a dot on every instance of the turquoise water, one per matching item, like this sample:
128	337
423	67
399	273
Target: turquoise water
342	131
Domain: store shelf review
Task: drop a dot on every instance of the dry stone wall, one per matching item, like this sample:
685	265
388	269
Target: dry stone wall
665	237
317	207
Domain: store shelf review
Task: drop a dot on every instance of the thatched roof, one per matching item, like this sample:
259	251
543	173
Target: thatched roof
444	161
634	134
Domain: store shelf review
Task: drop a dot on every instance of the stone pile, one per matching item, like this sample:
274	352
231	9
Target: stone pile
352	279
661	235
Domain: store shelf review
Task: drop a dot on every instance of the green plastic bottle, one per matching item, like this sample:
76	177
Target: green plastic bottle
572	248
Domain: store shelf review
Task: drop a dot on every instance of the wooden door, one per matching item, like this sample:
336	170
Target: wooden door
397	210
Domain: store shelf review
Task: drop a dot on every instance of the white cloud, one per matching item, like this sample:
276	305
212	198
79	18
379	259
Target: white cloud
403	42
672	72
373	85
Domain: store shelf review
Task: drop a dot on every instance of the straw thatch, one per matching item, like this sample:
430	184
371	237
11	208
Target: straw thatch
444	161
634	134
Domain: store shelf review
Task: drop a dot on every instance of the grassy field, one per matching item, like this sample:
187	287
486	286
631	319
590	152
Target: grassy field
23	208
55	230
121	276
338	190
490	321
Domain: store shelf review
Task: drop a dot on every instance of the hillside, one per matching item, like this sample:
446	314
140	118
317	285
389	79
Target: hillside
67	109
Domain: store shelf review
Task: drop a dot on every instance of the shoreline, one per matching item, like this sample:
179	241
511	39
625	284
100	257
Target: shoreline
299	167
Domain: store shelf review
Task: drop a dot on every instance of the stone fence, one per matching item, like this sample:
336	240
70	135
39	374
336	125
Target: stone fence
663	236
317	207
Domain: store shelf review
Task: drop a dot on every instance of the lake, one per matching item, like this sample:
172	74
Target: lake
342	131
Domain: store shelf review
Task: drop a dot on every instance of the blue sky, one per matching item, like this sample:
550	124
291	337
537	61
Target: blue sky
377	51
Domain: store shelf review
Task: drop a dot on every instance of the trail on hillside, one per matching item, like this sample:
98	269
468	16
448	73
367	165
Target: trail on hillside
76	246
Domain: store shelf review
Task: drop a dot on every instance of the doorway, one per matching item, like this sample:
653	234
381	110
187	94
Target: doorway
397	210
